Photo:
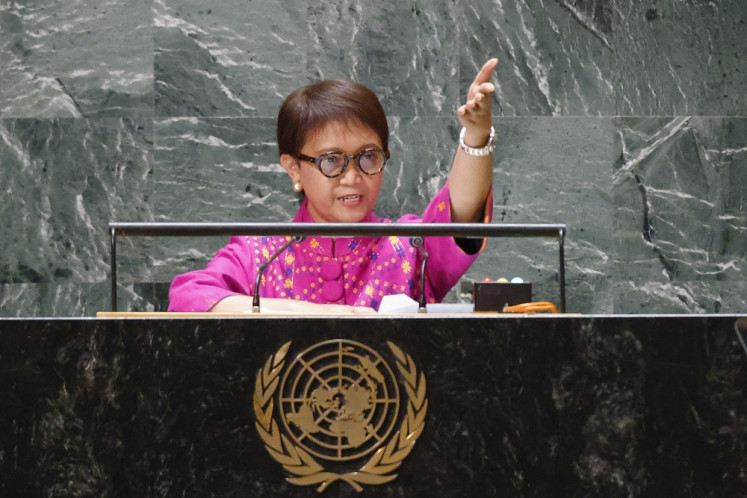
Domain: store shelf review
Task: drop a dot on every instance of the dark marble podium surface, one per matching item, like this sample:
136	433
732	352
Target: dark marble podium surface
521	406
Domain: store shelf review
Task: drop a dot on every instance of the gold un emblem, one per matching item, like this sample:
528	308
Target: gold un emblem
338	406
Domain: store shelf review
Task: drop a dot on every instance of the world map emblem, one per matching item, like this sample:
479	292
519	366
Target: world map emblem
335	412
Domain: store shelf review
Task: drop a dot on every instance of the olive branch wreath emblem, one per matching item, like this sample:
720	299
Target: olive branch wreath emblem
307	471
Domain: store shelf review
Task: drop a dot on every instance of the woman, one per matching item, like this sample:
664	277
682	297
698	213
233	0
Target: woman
333	141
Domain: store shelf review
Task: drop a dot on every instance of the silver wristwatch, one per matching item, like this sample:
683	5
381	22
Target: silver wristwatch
478	151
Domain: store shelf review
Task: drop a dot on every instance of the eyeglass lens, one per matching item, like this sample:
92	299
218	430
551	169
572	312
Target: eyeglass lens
369	161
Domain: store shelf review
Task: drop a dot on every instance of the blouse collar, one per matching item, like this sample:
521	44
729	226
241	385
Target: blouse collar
330	246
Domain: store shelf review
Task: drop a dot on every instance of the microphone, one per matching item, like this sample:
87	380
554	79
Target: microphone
419	242
260	271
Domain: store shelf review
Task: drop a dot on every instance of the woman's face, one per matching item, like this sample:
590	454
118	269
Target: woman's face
348	197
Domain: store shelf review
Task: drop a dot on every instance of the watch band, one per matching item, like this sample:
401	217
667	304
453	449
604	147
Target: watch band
478	151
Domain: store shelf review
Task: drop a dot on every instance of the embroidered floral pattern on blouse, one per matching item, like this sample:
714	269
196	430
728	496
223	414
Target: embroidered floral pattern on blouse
355	271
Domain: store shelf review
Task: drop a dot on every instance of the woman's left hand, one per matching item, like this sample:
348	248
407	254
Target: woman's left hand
475	114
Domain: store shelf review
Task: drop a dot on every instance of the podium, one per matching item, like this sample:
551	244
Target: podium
529	405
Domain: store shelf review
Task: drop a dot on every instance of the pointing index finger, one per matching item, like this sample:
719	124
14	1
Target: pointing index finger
485	73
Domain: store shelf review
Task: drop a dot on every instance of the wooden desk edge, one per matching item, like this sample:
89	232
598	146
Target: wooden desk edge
172	314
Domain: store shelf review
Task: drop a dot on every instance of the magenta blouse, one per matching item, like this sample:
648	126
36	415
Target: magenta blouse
355	271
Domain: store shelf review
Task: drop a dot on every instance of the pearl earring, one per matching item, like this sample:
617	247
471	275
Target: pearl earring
297	187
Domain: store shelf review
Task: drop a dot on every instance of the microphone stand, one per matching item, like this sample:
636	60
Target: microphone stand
419	242
261	270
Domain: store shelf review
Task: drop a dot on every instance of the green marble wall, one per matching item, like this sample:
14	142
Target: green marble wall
624	120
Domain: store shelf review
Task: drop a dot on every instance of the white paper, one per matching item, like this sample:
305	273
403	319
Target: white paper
398	303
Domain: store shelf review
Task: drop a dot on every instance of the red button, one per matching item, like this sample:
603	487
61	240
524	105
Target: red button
332	291
331	269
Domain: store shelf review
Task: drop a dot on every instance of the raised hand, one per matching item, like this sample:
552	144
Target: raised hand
475	114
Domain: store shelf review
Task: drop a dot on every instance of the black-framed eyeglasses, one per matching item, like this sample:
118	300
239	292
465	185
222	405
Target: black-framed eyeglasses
332	164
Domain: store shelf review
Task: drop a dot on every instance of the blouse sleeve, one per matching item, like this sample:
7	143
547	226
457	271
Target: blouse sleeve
447	260
230	272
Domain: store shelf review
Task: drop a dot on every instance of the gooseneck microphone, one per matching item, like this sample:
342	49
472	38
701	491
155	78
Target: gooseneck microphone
419	242
261	270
